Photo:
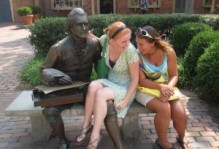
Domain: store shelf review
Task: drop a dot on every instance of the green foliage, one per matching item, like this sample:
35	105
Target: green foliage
133	21
207	78
23	11
181	71
46	32
183	33
196	48
30	72
36	9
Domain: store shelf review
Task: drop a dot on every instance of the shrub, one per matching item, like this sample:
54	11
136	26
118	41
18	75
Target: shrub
45	33
23	11
30	72
196	48
207	80
181	71
35	9
182	34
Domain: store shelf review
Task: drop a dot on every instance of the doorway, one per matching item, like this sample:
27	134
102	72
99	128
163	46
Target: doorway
5	11
106	6
180	6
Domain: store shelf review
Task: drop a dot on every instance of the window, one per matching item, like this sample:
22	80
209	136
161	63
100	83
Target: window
151	3
66	4
206	3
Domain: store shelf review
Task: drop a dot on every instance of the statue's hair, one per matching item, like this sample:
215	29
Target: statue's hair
72	16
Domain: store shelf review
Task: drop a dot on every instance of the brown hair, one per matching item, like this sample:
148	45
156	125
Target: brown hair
159	42
116	30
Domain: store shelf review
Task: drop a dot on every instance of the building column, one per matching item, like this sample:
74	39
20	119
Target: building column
189	7
212	6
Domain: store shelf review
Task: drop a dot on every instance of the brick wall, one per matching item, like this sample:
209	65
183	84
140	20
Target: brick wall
121	7
20	3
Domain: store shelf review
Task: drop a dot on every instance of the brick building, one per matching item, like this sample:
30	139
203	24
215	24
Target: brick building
93	7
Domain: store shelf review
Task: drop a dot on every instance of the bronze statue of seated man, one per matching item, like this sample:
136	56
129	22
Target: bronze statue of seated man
72	59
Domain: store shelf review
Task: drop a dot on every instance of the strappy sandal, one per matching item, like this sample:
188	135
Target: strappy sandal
182	144
157	144
91	146
83	134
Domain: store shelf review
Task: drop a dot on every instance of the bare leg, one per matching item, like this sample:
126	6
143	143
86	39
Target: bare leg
161	120
89	104
179	118
100	110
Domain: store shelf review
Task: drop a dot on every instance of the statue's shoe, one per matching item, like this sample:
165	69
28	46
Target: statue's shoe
64	145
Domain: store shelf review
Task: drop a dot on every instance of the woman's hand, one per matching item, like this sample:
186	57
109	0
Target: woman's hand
166	91
164	98
91	35
121	105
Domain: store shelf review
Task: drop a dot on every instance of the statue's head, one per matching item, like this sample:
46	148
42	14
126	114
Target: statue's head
77	23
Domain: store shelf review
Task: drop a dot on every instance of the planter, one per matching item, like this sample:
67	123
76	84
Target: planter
27	19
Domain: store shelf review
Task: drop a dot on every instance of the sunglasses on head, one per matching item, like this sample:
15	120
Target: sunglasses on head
144	33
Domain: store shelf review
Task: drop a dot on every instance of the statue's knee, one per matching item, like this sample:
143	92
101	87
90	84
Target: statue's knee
52	114
111	111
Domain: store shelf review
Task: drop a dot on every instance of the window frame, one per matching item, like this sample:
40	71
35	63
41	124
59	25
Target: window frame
62	6
207	4
136	5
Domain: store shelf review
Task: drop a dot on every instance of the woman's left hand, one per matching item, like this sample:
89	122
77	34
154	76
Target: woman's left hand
121	105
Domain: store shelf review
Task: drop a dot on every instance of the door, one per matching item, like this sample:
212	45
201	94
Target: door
106	6
180	6
5	11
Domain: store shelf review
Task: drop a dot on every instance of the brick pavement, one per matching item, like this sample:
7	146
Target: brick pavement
15	132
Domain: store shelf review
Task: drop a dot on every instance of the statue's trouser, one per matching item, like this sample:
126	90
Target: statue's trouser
112	126
53	115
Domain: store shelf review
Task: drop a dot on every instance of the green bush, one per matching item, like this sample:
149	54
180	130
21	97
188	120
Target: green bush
181	71
36	9
196	48
30	72
182	34
23	11
46	32
207	78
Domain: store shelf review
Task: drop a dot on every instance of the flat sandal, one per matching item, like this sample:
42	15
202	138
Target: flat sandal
157	144
182	144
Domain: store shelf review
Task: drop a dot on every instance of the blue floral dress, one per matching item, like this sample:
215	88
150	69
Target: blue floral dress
119	77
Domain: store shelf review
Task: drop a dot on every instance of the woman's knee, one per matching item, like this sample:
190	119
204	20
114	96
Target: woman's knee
94	85
164	109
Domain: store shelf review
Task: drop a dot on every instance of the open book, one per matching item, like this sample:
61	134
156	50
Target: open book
49	89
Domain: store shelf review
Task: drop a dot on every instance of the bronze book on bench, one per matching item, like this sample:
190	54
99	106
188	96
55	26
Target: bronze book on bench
47	96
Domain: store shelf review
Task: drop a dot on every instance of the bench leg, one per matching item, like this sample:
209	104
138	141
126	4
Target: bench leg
130	127
41	130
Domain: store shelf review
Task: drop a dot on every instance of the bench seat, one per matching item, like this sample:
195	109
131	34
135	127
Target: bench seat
41	131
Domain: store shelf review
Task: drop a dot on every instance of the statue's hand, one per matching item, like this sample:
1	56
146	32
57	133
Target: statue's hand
55	77
63	80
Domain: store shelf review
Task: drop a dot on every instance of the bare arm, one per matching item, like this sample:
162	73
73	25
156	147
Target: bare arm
134	71
165	89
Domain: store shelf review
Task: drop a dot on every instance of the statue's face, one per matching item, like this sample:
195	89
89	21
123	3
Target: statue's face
80	28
